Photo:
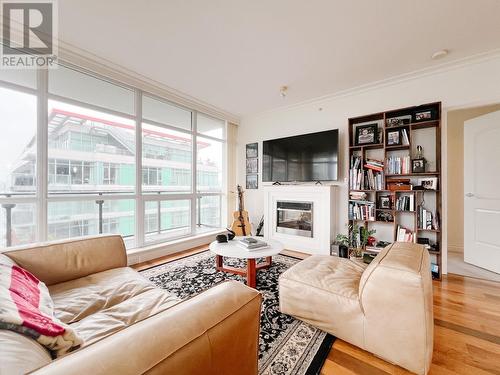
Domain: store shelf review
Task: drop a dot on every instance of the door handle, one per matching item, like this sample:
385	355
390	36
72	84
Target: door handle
469	195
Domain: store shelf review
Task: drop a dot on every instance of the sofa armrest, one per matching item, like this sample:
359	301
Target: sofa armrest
215	332
57	262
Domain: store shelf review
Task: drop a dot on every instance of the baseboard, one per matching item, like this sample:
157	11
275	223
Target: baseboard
145	254
455	249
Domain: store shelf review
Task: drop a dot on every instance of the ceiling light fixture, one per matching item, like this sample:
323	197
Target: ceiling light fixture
439	54
283	91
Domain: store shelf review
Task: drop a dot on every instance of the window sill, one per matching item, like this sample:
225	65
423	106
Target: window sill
150	252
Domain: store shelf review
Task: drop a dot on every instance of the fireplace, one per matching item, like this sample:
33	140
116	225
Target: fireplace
294	218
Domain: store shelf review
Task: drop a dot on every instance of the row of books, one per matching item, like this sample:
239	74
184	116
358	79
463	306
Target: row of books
405	203
404	235
370	179
426	219
355	173
398	165
361	210
373	180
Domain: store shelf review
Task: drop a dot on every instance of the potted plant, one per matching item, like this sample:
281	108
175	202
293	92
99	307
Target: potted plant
342	245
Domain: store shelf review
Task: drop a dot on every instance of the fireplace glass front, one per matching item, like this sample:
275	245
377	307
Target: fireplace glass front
294	218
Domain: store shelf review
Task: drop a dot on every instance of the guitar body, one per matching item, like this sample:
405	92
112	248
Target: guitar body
241	229
241	223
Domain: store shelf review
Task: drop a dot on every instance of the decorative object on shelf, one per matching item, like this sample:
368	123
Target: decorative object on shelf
393	138
252	181
398	184
425	114
365	235
398	121
385	202
418	163
252	150
367	134
385	216
429	183
252	165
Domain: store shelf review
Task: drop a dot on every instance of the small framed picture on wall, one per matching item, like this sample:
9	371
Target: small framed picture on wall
252	165
252	181
252	150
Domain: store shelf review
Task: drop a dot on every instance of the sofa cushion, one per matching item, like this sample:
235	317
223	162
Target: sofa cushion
20	354
27	308
110	320
332	274
76	299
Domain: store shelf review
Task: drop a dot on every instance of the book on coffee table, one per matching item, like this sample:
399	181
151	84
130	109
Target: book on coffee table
252	244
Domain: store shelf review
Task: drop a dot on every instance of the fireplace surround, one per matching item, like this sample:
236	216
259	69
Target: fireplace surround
302	217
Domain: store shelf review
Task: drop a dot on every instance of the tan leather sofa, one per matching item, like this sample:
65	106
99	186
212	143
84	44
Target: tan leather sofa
385	308
130	326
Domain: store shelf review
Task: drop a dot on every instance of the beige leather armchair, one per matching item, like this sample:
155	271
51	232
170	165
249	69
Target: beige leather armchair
130	326
385	308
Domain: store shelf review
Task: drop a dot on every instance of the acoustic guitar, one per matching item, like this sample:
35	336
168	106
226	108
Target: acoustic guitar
241	223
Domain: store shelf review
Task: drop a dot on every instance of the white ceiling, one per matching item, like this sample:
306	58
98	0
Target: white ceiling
235	54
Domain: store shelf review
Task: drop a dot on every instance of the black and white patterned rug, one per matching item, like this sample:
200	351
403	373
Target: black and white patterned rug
286	346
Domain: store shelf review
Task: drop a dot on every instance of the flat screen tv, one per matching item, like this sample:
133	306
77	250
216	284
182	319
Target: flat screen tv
307	157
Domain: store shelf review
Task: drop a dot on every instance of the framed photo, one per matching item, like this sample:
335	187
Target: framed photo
430	183
252	165
398	121
385	202
393	138
252	181
366	135
424	114
252	150
418	165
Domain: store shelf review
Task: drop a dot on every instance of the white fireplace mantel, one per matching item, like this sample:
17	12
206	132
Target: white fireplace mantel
323	200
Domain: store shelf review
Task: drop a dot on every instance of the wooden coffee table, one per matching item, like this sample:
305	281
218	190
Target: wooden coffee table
232	250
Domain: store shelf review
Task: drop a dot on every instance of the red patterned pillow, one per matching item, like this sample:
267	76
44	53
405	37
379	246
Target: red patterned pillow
26	308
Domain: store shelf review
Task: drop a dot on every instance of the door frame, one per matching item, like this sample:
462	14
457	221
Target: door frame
444	171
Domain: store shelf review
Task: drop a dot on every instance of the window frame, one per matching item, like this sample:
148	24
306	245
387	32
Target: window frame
43	196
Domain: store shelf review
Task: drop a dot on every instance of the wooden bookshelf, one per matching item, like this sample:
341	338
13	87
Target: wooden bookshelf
426	133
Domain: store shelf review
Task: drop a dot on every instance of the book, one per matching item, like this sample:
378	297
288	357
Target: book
253	248
252	244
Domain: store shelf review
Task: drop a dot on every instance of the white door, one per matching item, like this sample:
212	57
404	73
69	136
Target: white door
482	191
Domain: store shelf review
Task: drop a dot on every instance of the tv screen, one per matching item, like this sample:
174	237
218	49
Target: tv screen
308	157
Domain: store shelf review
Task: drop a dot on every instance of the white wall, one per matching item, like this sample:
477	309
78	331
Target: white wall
469	83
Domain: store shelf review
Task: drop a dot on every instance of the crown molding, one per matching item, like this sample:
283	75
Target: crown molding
87	60
395	80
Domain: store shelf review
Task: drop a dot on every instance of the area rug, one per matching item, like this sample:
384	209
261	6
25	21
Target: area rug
286	346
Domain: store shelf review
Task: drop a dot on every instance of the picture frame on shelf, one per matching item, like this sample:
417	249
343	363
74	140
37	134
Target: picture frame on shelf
429	183
393	137
418	165
366	135
252	150
385	202
398	121
424	114
252	181
252	165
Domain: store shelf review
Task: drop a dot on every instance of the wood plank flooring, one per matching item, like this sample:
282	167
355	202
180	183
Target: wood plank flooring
466	330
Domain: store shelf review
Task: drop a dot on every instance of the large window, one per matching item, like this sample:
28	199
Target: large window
78	172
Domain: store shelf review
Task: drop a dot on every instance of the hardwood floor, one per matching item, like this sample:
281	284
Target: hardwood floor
466	330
